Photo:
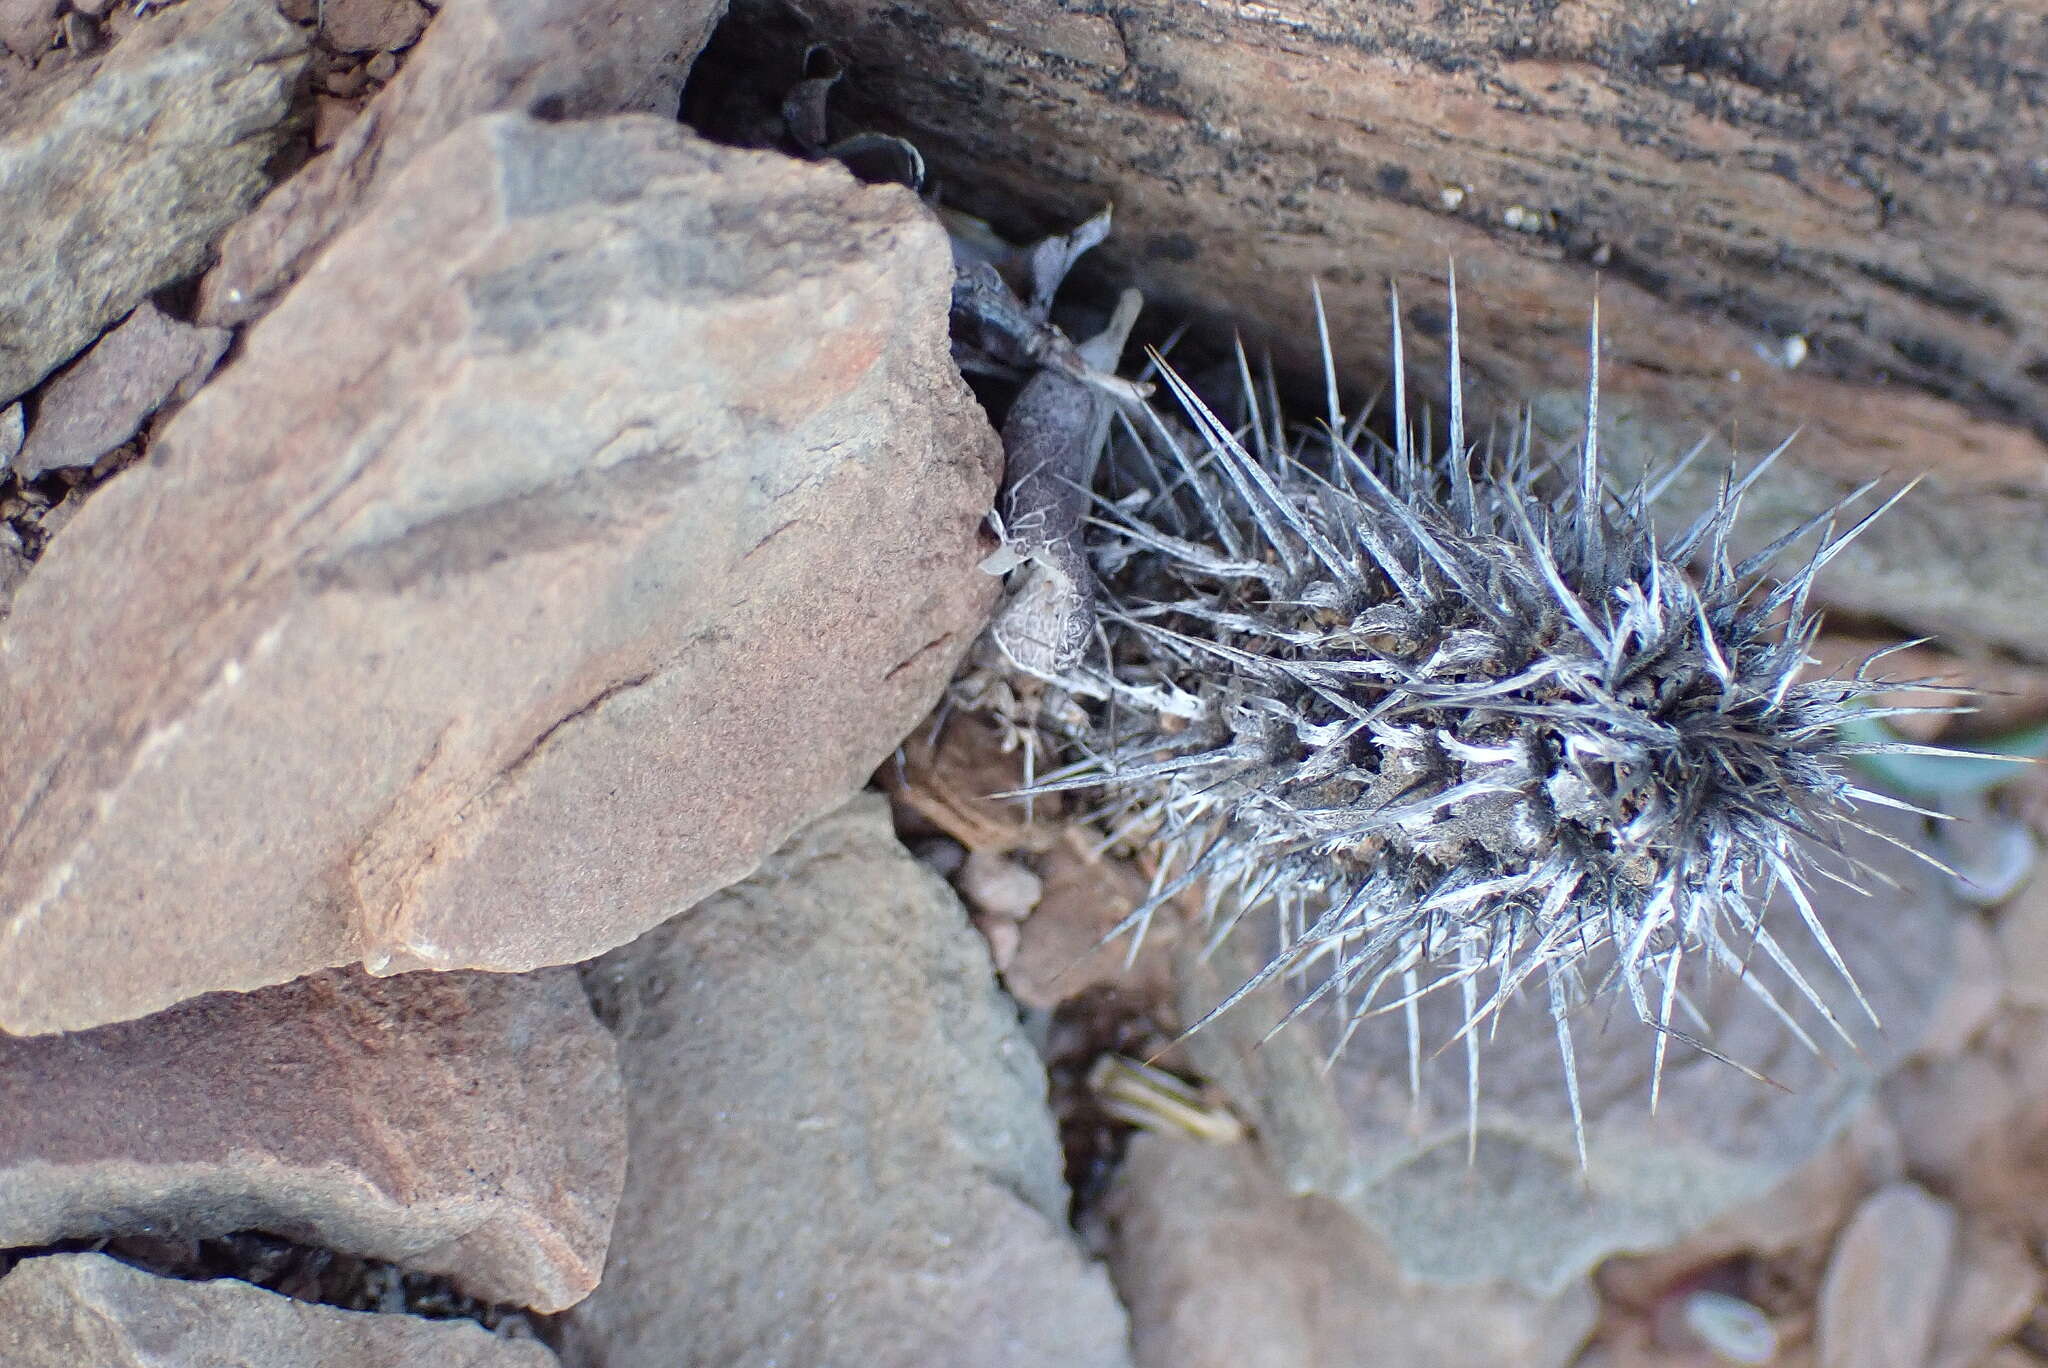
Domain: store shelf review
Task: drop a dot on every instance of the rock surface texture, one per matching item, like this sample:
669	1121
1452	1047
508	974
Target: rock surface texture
1822	217
1522	1211
1222	1267
67	1310
119	176
840	1147
556	59
463	1124
599	509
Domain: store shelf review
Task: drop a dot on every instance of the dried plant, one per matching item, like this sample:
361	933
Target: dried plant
1460	718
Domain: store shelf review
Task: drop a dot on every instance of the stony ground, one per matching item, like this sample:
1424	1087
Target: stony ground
492	873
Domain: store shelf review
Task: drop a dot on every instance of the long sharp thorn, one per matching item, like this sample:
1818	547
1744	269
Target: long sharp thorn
1469	992
1329	359
1589	454
1460	461
1558	1015
1411	1017
1404	457
1664	1024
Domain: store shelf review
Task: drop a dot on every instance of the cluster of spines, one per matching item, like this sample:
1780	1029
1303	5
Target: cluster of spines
1607	755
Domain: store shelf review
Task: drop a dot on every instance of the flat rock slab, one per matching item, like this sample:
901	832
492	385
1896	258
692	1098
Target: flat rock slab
1222	1267
1522	1211
103	398
66	1310
560	59
840	1148
602	508
464	1124
119	177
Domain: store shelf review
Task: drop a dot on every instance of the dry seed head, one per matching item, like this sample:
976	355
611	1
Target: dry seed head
1461	719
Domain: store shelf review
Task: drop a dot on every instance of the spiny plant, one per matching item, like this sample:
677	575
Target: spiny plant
1460	718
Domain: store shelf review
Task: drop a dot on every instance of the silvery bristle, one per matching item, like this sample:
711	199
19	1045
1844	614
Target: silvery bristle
1461	718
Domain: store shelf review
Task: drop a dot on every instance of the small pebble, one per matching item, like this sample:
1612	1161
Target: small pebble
346	82
998	886
381	67
1735	1330
81	34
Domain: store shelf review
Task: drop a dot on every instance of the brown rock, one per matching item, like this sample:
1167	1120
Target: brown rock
1881	1302
69	1310
114	188
1974	1126
331	117
1995	1287
28	27
560	59
346	82
872	1179
1222	1267
1061	951
601	512
1735	177
373	25
102	399
1948	1110
466	1124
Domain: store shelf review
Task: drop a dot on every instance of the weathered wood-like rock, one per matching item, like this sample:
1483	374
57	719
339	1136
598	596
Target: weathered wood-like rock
464	1124
600	509
119	177
557	59
66	1310
1749	185
840	1149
